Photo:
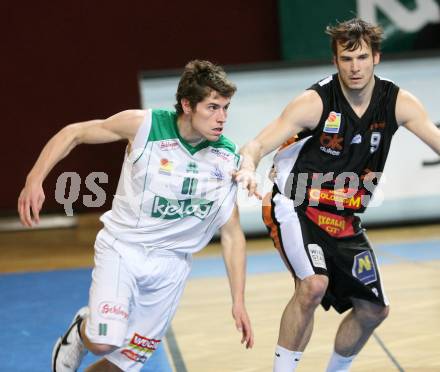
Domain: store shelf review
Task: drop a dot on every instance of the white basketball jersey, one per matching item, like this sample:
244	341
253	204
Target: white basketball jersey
172	195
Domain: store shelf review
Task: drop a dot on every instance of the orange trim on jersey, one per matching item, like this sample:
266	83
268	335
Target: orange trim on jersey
288	142
269	222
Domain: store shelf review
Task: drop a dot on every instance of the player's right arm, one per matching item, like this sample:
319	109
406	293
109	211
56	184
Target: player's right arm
123	125
304	112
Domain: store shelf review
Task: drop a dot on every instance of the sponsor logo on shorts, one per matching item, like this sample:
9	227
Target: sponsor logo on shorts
140	348
333	122
334	225
168	145
334	197
171	209
317	255
112	310
363	268
144	344
133	355
166	167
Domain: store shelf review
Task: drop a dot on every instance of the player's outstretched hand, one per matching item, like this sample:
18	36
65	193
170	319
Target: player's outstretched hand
243	325
248	180
30	203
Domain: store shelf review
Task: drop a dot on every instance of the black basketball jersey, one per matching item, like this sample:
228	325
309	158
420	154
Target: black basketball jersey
340	161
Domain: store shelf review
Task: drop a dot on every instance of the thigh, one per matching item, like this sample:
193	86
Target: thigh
356	273
158	292
110	294
289	232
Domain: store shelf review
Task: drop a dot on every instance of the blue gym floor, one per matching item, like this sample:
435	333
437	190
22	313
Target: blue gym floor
37	307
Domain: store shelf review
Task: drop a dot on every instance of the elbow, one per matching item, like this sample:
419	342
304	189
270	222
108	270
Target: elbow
71	135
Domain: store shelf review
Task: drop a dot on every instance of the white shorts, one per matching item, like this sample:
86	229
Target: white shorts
133	297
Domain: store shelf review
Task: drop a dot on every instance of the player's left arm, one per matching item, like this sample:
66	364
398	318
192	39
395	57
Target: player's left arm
234	254
411	114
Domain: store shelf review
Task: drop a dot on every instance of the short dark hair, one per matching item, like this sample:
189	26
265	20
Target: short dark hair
349	35
198	80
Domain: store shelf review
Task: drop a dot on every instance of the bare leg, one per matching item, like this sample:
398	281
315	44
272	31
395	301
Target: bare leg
357	327
297	320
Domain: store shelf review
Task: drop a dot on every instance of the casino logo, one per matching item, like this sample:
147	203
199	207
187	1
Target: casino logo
348	198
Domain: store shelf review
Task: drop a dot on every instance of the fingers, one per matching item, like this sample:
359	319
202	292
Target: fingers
27	213
29	206
243	325
247	335
35	211
248	182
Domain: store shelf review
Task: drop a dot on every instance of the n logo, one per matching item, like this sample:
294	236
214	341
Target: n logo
364	268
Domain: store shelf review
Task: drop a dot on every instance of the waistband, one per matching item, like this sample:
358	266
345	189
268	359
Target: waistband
147	249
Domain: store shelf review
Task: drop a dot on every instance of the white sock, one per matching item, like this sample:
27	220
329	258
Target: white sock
339	363
285	360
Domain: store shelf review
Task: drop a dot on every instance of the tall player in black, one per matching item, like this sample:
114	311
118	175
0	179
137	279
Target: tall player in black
344	125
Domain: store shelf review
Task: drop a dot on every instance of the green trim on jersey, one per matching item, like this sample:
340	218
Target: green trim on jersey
164	126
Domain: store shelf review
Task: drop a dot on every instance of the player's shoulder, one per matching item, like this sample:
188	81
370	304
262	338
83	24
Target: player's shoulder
324	83
164	114
163	124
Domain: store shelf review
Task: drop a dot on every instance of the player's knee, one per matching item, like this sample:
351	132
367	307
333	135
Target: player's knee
382	314
374	315
312	290
101	349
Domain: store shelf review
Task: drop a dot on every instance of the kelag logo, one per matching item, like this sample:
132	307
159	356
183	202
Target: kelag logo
171	209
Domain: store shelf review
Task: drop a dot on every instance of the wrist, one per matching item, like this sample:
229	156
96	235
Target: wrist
34	179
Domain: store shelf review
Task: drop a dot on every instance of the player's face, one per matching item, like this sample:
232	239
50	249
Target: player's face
209	116
356	67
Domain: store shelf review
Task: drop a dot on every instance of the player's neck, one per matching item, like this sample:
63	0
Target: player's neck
359	99
186	130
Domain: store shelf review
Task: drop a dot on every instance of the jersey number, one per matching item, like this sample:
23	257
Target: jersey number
375	140
189	186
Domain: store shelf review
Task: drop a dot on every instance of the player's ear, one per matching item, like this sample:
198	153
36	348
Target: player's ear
186	105
376	58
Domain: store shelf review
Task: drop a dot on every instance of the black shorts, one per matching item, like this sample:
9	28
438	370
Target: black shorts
314	241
